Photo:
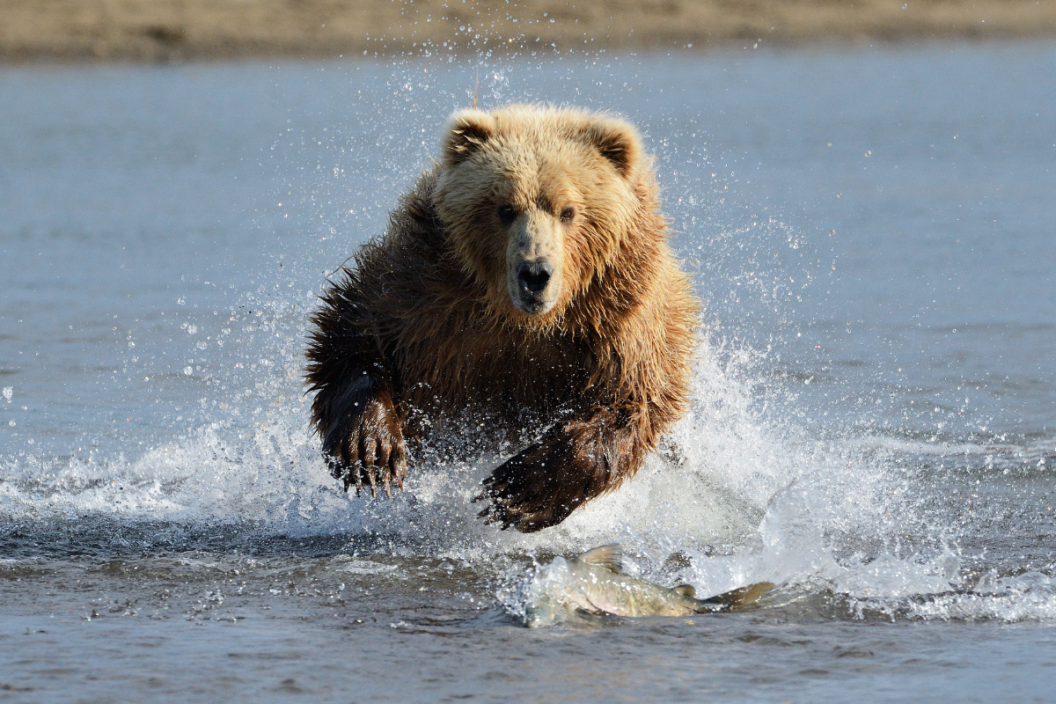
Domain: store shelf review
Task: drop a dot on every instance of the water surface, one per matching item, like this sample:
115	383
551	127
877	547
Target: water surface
873	425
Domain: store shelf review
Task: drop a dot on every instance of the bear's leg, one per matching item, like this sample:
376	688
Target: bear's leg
362	436
574	462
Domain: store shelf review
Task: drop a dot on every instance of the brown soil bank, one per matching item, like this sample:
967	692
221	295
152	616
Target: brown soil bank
172	29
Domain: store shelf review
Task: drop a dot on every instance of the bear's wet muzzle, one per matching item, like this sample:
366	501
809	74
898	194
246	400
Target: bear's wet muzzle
533	258
533	279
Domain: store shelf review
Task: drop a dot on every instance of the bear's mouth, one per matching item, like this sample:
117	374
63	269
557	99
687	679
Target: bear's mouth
532	283
533	303
534	306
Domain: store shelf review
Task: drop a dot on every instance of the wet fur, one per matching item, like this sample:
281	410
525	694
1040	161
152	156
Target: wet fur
422	326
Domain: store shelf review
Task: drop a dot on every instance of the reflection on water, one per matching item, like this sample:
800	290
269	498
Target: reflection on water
872	426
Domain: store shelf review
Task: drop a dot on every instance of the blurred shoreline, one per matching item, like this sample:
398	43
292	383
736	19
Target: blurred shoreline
174	30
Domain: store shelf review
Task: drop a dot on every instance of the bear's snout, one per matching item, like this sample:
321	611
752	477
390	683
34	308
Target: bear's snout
534	264
533	290
534	277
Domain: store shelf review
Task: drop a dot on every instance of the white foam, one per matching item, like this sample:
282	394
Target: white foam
730	479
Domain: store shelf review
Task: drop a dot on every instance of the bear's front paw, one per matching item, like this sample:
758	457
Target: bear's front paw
536	489
370	448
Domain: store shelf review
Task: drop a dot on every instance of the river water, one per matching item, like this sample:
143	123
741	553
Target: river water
873	424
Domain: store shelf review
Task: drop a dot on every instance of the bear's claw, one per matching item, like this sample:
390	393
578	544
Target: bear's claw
533	490
371	450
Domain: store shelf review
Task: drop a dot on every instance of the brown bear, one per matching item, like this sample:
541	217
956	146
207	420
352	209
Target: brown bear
524	281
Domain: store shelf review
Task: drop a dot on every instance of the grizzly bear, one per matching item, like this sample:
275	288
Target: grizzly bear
525	282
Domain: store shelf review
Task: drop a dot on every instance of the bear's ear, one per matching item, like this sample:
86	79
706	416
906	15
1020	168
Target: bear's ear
467	131
617	141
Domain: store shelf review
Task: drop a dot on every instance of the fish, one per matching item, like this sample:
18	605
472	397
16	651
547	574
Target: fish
594	582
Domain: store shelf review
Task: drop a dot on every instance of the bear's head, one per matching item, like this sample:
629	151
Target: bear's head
537	202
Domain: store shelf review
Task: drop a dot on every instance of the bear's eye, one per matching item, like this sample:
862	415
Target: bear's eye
567	214
507	214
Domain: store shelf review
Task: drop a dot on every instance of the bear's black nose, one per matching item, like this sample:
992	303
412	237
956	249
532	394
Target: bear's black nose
534	276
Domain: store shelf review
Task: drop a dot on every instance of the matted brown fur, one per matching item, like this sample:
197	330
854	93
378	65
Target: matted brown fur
424	326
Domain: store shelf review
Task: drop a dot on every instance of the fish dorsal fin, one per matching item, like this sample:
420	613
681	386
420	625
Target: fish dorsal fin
608	556
685	590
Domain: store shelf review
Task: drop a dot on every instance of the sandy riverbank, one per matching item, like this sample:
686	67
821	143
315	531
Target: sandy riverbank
159	30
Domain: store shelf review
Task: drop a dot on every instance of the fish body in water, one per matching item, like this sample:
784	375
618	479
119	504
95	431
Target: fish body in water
595	582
